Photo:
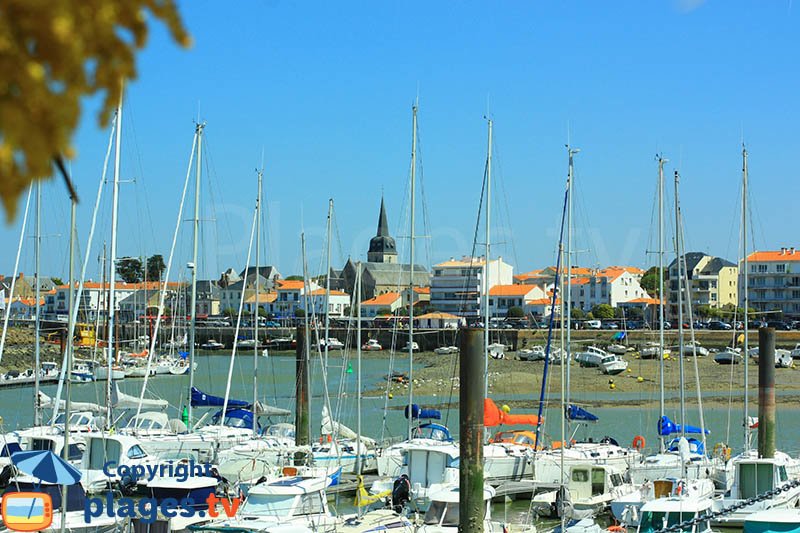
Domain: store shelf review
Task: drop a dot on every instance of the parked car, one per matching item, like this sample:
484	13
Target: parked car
609	325
779	325
592	324
272	324
755	324
719	325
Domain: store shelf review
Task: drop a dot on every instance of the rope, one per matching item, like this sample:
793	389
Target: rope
728	510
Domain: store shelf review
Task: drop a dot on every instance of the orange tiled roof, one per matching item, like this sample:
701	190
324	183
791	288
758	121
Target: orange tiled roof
387	298
439	315
422	290
321	292
789	254
511	290
121	285
648	301
263	298
543	301
290	285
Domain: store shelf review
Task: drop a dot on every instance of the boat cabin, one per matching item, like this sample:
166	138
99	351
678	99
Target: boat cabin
444	509
666	512
429	465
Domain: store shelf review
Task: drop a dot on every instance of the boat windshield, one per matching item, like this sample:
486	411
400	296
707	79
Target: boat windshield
442	513
651	521
277	505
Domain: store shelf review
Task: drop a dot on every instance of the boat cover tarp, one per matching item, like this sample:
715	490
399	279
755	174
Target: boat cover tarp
126	401
667	427
578	413
201	399
418	412
263	409
47	402
494	416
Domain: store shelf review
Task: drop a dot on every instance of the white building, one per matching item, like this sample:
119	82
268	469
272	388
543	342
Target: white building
290	297
612	286
338	302
458	285
504	297
773	280
438	320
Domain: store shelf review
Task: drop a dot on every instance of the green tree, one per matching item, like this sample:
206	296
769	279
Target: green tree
577	313
230	312
155	267
299	313
619	312
635	313
57	281
294	277
649	281
130	269
603	311
384	311
515	312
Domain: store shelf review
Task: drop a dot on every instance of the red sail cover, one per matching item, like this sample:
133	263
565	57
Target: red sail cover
494	416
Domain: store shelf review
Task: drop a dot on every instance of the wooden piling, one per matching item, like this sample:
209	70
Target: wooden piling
471	396
766	392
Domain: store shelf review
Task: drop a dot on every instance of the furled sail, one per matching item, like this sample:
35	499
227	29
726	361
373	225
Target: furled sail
418	412
494	416
126	401
47	402
330	427
201	399
582	415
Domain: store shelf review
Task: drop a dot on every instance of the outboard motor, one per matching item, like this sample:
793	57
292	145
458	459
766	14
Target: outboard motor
401	493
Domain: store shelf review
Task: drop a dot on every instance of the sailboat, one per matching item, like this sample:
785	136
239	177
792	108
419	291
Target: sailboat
679	473
747	475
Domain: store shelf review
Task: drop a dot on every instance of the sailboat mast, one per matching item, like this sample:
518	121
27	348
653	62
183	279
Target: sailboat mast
328	280
679	260
198	132
567	356
70	348
487	254
746	299
661	413
256	316
410	273
112	266
37	366
359	455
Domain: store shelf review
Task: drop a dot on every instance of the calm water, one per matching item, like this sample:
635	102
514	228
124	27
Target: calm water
276	387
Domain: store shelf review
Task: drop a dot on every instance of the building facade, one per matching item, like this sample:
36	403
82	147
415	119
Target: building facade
457	285
713	282
773	279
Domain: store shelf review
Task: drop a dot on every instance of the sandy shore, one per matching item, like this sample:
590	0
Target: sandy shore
513	380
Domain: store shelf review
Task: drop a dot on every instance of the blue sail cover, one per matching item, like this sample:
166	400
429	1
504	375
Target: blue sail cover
667	427
201	399
418	412
619	336
576	413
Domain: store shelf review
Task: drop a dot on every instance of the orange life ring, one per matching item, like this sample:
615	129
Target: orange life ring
638	442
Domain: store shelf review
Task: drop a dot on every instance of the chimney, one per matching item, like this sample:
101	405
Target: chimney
791	250
783	252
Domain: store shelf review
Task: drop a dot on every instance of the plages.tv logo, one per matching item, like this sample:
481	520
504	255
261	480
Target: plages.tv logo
27	511
33	511
147	509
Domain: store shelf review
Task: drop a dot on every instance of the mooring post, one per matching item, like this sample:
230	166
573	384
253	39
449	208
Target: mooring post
301	424
471	396
766	392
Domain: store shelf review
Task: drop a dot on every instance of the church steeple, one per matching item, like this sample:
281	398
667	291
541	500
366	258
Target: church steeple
383	226
382	247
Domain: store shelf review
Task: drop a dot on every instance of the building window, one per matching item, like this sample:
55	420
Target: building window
762	269
780	268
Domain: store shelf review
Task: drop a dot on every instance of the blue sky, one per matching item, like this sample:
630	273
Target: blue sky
325	91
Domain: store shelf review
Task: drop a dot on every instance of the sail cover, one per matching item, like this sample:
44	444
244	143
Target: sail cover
126	401
418	412
582	415
263	409
201	399
494	416
667	427
330	426
47	402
